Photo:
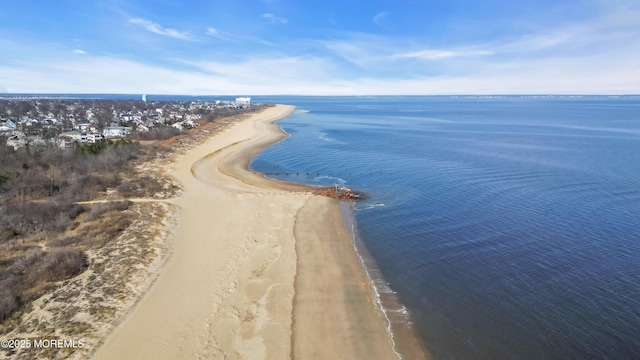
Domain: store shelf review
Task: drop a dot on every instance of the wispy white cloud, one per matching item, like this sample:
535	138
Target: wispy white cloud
273	75
235	38
381	19
260	74
213	32
360	50
616	29
274	19
79	52
265	69
439	54
159	29
391	55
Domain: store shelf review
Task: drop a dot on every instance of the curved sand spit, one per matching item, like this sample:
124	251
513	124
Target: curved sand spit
259	269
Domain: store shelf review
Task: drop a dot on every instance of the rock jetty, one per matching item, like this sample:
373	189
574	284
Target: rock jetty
339	192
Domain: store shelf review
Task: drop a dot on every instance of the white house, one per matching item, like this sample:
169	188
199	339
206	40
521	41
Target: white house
92	138
10	124
184	124
64	143
72	135
17	140
16	143
116	131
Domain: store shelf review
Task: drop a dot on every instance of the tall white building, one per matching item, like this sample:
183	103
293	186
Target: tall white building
243	102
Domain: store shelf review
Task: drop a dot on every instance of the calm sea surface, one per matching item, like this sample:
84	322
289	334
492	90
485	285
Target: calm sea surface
509	227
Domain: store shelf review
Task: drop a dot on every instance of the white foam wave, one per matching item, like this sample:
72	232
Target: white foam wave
370	206
336	180
402	311
324	137
376	295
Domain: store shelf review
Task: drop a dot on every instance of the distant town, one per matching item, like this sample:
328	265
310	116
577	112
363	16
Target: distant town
67	122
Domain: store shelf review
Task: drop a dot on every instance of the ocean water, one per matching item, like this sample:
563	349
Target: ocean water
509	227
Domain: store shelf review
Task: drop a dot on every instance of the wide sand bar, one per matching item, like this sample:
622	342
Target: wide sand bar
258	269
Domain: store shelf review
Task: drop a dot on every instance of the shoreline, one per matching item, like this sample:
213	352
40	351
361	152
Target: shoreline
236	285
405	338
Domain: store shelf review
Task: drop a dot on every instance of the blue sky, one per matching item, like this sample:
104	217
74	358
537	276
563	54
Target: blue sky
320	47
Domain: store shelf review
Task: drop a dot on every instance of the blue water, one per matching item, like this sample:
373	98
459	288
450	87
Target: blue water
509	227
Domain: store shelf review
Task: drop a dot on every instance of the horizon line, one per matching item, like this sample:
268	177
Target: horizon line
314	95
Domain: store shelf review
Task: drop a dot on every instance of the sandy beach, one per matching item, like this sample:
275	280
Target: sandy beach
258	269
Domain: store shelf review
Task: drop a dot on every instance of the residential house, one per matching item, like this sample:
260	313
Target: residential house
71	135
93	138
10	124
116	131
17	140
142	128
